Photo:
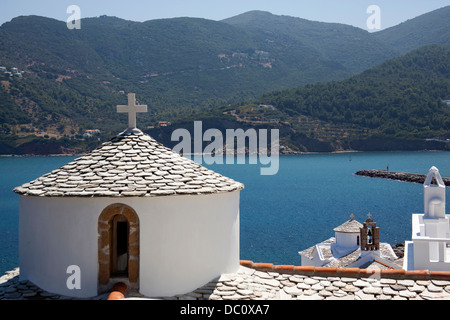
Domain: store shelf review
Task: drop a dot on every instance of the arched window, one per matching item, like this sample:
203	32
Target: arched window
370	235
118	247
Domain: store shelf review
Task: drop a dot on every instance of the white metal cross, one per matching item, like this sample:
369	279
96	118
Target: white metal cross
132	109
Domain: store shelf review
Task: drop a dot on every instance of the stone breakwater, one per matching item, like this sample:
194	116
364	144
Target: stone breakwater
250	283
400	176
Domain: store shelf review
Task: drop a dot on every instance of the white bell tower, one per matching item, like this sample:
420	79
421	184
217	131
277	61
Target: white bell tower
435	221
434	195
429	249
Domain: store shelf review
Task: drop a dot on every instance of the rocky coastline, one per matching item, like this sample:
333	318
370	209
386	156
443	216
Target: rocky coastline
399	176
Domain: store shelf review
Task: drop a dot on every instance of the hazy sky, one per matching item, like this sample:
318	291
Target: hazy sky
353	12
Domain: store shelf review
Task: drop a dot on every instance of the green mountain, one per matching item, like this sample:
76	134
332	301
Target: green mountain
175	63
400	100
397	105
73	79
429	28
351	48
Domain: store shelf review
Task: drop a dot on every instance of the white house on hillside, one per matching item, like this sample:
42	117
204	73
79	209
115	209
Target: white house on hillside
430	230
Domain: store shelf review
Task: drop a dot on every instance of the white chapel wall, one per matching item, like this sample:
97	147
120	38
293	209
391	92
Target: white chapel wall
185	241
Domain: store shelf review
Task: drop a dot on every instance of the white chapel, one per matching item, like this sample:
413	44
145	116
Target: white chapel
355	245
132	211
428	248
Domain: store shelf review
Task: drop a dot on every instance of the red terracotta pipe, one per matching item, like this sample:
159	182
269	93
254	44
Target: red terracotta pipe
118	291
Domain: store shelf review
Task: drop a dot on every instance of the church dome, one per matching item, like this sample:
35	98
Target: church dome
131	164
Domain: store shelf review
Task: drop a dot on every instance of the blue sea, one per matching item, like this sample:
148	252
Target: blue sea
280	214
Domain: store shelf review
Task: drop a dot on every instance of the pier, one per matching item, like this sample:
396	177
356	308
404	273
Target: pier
400	176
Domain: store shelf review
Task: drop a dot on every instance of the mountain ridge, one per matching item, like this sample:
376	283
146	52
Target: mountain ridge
406	35
73	79
329	39
397	105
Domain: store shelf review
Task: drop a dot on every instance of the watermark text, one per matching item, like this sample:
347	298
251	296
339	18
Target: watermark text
374	21
74	21
233	149
74	280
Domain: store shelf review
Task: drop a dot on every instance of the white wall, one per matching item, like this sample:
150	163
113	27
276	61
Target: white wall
427	248
434	195
185	241
54	234
305	261
346	239
192	241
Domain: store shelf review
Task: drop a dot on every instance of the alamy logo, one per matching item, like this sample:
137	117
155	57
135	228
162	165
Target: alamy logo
374	21
234	147
74	280
74	21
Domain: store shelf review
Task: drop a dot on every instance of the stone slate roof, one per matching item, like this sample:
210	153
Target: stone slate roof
386	252
346	260
350	226
131	164
309	253
351	257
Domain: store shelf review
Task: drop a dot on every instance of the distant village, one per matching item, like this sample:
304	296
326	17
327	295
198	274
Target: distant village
14	72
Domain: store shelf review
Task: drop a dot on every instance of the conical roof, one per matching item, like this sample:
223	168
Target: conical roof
350	226
131	164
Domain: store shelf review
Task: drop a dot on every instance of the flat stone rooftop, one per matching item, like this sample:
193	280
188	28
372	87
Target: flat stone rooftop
263	281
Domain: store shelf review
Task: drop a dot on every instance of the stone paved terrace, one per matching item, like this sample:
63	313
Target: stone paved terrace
262	281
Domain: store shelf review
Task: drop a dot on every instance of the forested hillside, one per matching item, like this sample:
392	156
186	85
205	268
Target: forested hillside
430	28
400	99
397	105
71	80
346	46
402	96
173	65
